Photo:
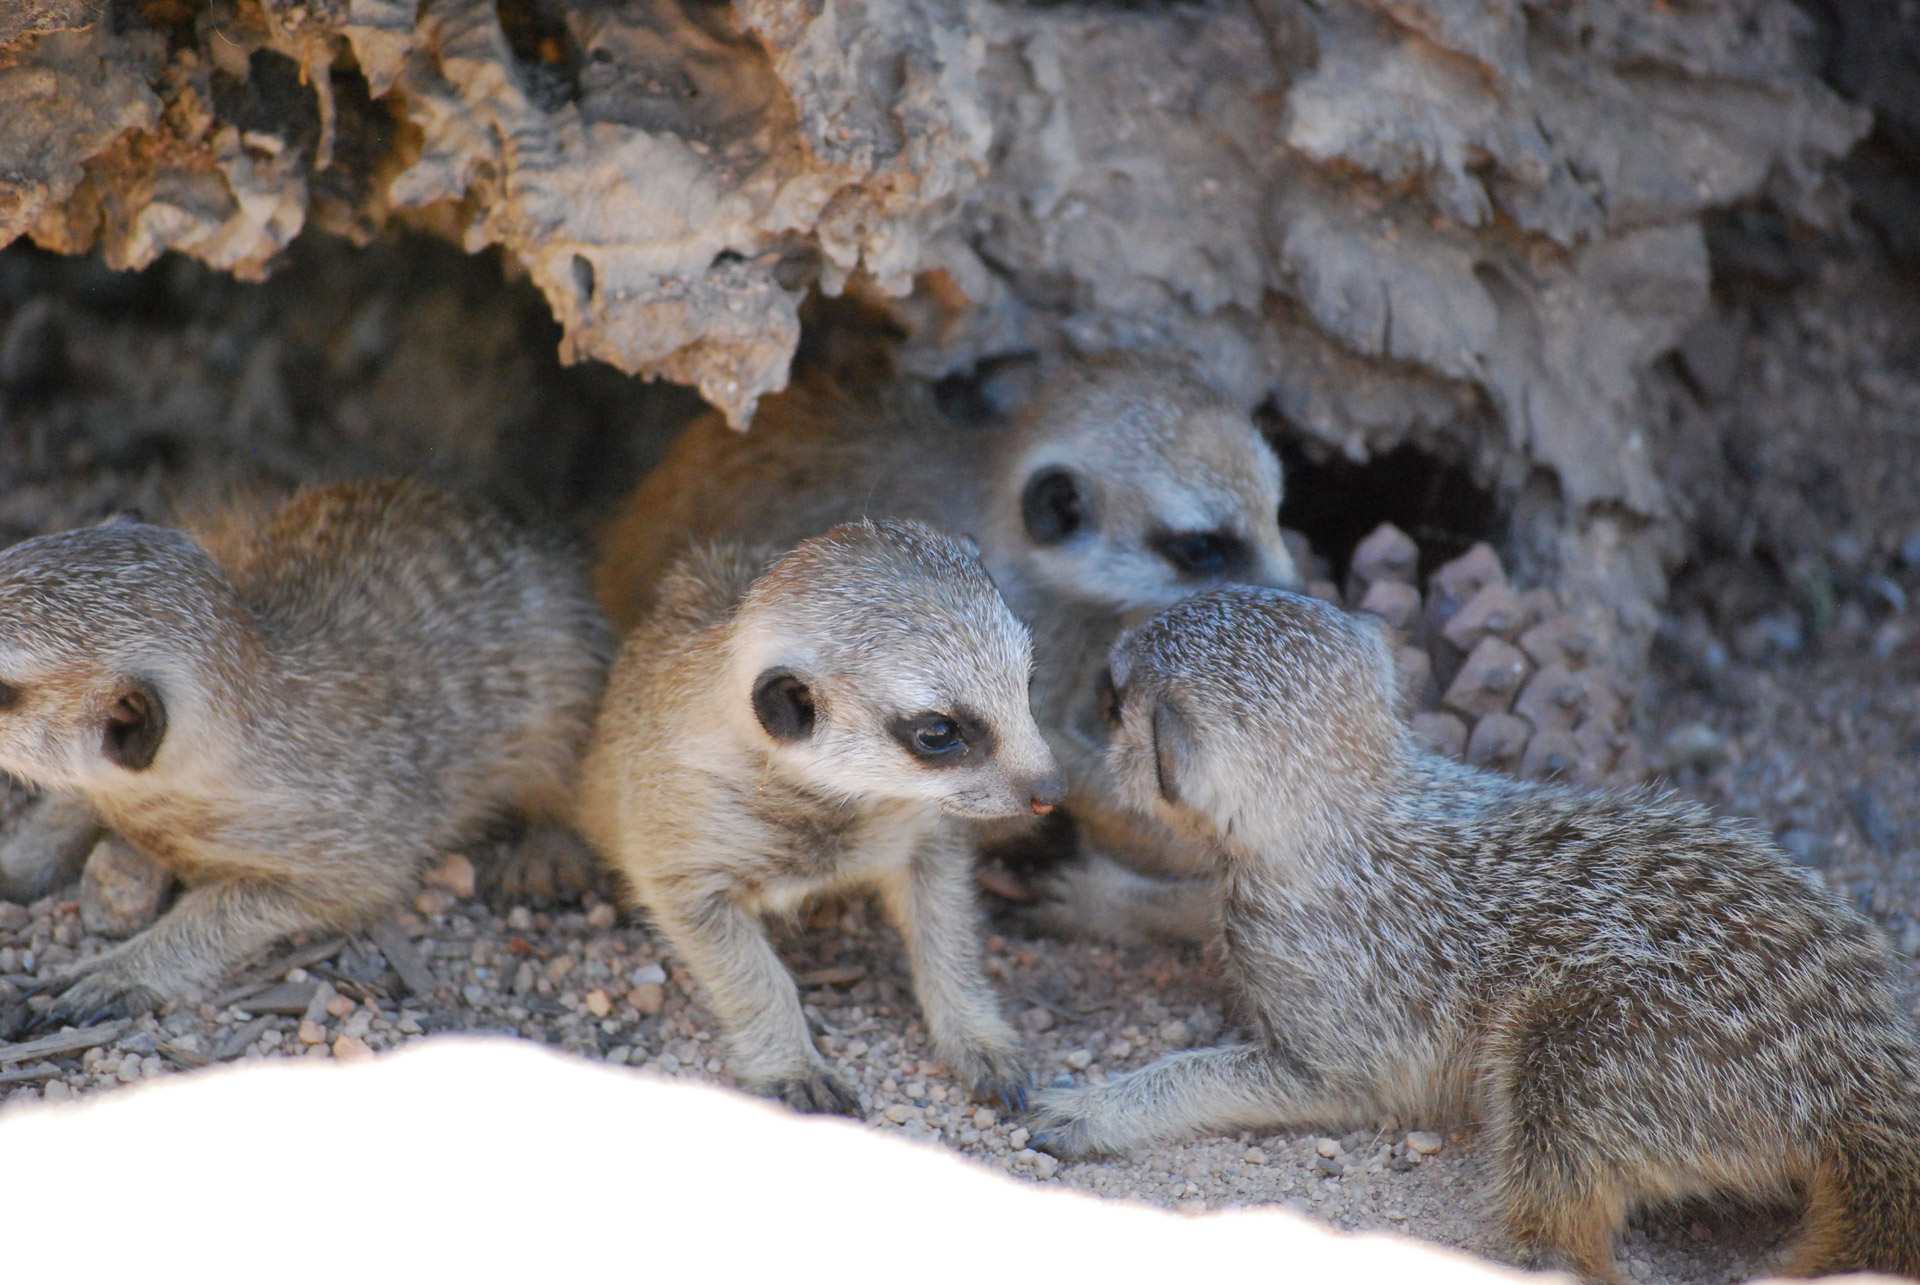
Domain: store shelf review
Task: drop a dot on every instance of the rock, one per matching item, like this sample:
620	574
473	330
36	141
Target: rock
1423	1142
1328	1167
1079	1059
1327	1147
1042	1165
1037	1019
984	1118
312	1032
1255	1156
1175	1034
1499	741
1451	586
1694	745
121	891
348	1049
453	876
1440	733
1489	680
648	975
340	1006
1554	698
1877	821
1804	846
520	919
1394	601
648	998
13	917
560	967
431	902
1387	555
1413	670
1493	611
602	917
598	1002
1325	591
1019	1139
1554	755
900	1113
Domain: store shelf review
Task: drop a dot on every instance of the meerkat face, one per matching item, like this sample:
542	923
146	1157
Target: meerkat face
1136	485
93	657
878	662
1243	714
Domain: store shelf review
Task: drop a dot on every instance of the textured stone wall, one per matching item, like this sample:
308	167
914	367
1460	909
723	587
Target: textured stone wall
1468	224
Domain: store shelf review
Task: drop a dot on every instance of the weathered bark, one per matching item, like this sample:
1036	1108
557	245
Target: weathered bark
1469	222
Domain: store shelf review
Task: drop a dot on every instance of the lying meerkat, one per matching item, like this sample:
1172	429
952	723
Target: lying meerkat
1637	1001
826	721
291	712
1125	484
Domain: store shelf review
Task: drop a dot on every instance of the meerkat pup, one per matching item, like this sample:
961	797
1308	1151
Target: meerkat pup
828	721
291	712
1126	483
1637	1001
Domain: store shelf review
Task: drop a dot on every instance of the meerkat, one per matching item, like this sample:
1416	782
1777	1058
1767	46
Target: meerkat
1637	1001
291	710
1126	483
831	718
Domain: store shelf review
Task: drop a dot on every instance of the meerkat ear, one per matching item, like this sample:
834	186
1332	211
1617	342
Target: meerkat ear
1052	507
135	725
1173	749
784	705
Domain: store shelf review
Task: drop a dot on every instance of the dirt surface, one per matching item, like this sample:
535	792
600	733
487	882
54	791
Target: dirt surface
1783	686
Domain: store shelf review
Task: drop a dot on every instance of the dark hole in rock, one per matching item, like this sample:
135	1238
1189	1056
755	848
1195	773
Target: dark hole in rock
1336	503
543	48
273	101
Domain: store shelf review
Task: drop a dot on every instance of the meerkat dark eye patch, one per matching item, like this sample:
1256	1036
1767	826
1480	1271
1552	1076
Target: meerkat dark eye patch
1203	555
1052	507
1106	698
136	724
784	705
1173	749
942	740
9	695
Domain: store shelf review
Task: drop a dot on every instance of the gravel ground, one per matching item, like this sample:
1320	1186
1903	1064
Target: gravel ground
1822	747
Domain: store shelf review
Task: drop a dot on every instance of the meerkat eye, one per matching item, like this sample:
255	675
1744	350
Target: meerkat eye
1203	554
9	695
1052	507
931	736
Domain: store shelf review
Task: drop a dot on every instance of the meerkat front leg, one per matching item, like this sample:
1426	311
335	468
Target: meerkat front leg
769	1048
1216	1090
48	848
930	900
211	928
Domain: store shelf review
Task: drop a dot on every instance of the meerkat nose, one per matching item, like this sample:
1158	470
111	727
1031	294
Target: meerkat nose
1048	793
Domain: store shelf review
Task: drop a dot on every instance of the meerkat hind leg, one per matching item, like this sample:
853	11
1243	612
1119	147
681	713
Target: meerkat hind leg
930	901
1184	1095
210	929
48	848
543	864
768	1045
1099	899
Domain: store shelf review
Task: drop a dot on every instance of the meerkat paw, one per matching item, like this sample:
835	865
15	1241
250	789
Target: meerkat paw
998	1075
548	864
1098	899
1068	1123
820	1093
92	996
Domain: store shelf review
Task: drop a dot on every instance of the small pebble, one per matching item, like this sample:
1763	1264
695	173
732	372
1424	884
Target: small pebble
1425	1143
602	916
454	875
900	1113
520	919
1326	1147
1255	1156
340	1006
348	1049
57	1091
648	998
649	975
984	1118
1019	1138
1079	1059
312	1033
1176	1033
598	1002
1037	1019
1043	1165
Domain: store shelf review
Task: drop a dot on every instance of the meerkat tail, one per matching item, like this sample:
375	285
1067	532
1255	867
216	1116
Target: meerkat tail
1863	1214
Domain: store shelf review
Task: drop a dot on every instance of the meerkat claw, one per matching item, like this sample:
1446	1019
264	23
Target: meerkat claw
821	1094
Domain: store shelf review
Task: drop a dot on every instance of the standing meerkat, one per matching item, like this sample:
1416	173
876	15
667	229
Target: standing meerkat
291	713
831	720
1637	1001
1126	483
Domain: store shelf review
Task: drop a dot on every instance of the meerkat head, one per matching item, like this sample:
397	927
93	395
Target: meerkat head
878	661
105	636
1134	483
1252	716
